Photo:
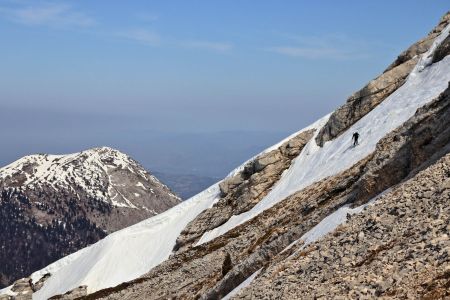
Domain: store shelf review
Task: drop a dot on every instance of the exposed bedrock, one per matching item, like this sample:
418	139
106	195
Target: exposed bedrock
213	269
366	99
396	249
244	190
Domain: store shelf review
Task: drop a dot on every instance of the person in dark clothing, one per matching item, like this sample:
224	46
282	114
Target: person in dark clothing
355	138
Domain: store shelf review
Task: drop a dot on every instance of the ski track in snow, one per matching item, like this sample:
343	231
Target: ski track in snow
313	164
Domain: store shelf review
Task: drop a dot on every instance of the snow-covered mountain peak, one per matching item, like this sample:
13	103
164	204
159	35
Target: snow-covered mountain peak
99	172
66	202
258	222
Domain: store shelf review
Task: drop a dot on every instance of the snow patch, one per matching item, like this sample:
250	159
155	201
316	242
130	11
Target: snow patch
331	222
139	184
315	163
140	248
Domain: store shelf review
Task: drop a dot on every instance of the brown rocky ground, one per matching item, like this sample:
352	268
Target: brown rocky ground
397	248
244	190
211	270
412	160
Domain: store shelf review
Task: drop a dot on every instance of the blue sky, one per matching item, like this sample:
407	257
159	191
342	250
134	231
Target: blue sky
119	68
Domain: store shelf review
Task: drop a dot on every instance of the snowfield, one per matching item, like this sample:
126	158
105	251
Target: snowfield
133	251
126	254
314	163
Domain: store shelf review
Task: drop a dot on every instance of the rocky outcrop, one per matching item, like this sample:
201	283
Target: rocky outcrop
442	51
366	99
422	45
398	248
197	272
52	206
245	189
24	288
73	294
399	244
418	142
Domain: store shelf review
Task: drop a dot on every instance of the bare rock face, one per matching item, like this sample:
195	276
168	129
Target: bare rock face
244	190
213	269
73	294
422	45
53	205
442	51
398	248
420	141
366	99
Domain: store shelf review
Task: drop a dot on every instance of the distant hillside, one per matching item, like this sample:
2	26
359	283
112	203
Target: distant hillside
318	215
53	205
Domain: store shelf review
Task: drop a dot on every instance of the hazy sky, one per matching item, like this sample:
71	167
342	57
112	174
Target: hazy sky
77	74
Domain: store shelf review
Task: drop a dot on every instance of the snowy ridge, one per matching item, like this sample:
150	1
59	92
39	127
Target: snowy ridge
133	251
314	163
142	246
87	170
316	125
139	247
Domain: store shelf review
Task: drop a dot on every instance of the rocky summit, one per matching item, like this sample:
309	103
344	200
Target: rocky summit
53	205
312	217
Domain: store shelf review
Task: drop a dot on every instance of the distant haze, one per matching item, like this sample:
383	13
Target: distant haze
211	154
188	87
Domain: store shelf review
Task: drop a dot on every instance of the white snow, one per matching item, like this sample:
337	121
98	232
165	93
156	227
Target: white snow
125	254
139	247
318	124
425	83
81	169
327	225
133	251
141	185
243	285
8	291
331	222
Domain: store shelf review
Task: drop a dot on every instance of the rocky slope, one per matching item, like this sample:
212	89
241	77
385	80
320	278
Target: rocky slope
53	205
396	248
213	269
364	100
310	217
